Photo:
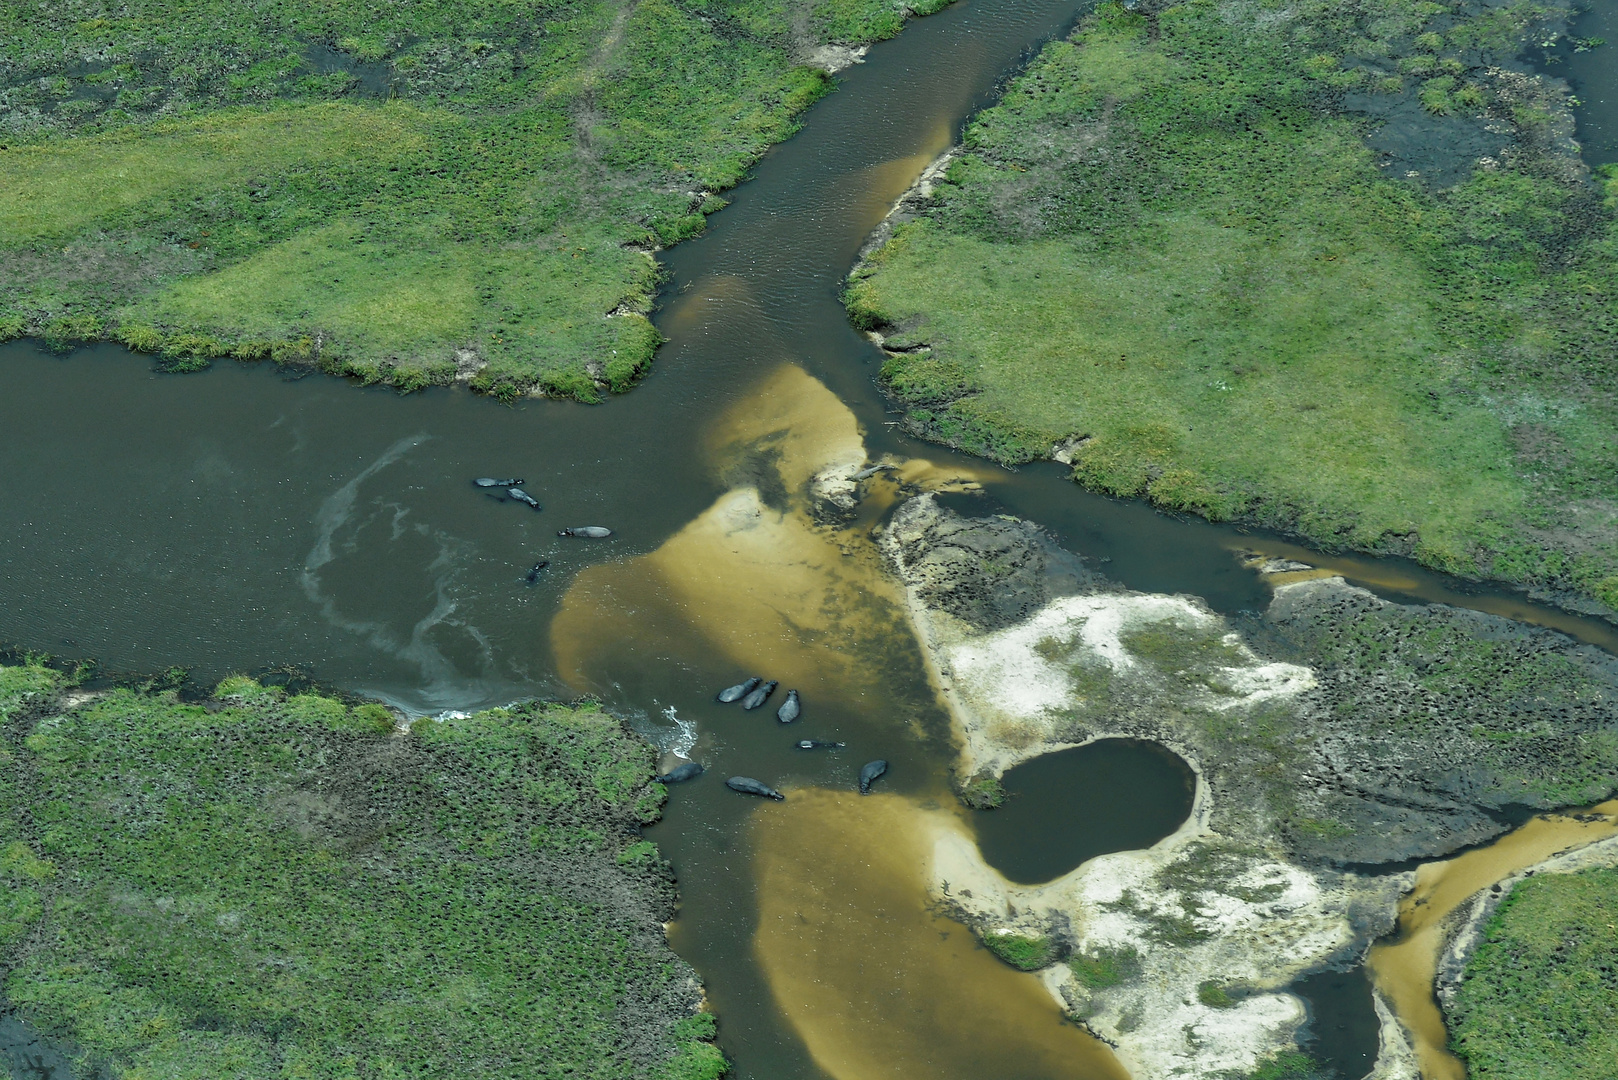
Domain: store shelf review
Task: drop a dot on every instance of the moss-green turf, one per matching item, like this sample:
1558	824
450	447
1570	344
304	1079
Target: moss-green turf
399	192
1540	996
274	885
1170	245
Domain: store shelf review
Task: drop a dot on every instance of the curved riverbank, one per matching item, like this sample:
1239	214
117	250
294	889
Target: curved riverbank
1303	765
1114	278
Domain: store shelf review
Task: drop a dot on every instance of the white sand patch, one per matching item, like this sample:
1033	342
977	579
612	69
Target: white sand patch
1013	690
1249	934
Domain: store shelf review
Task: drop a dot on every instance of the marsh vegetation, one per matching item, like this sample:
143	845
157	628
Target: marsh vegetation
401	194
284	884
1175	250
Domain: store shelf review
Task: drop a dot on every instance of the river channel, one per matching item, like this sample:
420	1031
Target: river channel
238	518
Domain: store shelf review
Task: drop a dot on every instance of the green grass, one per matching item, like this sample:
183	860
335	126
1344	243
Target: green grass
1105	967
274	885
1540	998
1022	951
1167	243
401	193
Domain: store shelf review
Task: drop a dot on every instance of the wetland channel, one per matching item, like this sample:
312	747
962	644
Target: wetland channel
223	520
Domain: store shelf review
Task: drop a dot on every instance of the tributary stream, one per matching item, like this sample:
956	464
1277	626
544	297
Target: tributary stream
234	519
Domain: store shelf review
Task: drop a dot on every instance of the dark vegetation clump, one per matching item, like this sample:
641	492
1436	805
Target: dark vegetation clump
1101	968
1335	268
1025	952
268	883
404	193
1539	1000
1290	1065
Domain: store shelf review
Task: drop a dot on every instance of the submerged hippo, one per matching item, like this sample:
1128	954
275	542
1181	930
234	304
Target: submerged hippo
866	473
689	771
533	571
593	532
748	786
869	772
790	710
756	698
818	744
489	481
731	693
523	497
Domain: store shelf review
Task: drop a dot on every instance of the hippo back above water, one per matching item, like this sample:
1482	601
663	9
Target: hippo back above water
489	481
869	772
748	786
690	770
756	698
741	689
592	532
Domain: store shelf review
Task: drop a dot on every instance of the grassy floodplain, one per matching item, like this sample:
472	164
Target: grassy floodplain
268	884
397	192
1539	1000
1171	248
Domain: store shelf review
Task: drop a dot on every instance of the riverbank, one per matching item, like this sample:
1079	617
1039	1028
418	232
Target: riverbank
1333	734
356	192
1266	305
265	882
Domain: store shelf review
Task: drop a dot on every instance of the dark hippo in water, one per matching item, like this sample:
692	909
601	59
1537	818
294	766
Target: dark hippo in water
489	481
748	786
741	689
756	698
818	744
523	497
689	771
869	773
533	571
790	709
592	532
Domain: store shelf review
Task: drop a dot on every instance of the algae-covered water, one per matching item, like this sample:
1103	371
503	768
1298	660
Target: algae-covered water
236	518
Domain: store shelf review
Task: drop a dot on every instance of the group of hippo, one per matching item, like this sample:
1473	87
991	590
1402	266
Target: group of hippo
752	693
513	490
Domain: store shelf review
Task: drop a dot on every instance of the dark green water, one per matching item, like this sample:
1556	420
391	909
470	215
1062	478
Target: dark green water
1066	807
1592	72
231	520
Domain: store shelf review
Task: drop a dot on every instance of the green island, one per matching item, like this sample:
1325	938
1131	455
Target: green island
1173	257
407	194
273	884
1539	998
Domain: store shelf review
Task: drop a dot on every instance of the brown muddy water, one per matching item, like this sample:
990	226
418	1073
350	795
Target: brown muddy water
235	518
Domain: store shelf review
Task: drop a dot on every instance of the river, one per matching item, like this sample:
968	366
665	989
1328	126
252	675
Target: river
234	518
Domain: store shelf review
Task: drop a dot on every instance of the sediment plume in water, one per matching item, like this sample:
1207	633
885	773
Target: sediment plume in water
752	578
878	984
1405	968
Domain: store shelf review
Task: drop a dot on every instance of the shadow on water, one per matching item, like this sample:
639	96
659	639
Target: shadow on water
1343	1032
1066	807
27	1056
1591	70
228	519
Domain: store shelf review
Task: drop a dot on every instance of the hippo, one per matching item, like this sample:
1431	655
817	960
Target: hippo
790	710
688	771
593	532
818	744
748	786
533	571
869	772
523	497
741	689
756	698
872	471
489	481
